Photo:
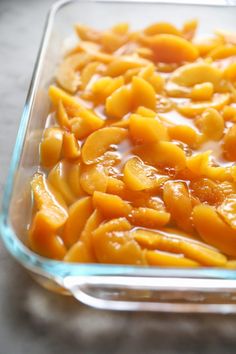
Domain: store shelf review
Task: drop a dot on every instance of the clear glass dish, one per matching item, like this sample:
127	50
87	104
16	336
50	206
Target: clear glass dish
106	286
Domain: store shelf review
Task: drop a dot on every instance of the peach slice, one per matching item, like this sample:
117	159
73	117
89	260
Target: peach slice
191	109
87	33
228	210
93	178
111	206
67	75
159	258
44	241
105	86
62	116
123	63
85	123
139	176
148	217
73	178
169	241
169	48
160	28
222	51
229	142
143	94
163	154
51	147
189	29
202	92
146	130
100	141
178	203
119	103
184	133
113	245
211	123
46	199
79	212
70	146
214	230
58	179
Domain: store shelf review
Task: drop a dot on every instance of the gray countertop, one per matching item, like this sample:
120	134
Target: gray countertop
36	321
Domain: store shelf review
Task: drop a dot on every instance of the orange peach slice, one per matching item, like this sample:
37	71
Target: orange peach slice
139	176
51	147
214	230
123	63
178	203
105	86
169	48
158	258
100	141
229	143
163	154
160	28
228	210
111	206
58	179
146	130
67	75
93	178
44	241
148	217
184	133
62	116
119	103
211	123
48	201
143	94
79	212
70	146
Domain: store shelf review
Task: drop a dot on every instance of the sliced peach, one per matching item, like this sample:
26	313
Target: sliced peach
73	177
93	178
67	75
112	41
79	212
214	230
202	92
149	74
82	251
143	94
230	143
206	45
222	52
161	27
178	203
158	258
43	241
192	109
94	50
148	217
207	191
70	102
62	116
57	179
115	186
85	124
119	103
169	241
229	113
139	176
163	154
189	29
47	200
189	75
111	206
230	72
113	245
100	141
51	147
211	123
146	112
70	146
105	86
146	130
184	133
228	210
200	164
88	73
87	33
121	64
79	253
169	48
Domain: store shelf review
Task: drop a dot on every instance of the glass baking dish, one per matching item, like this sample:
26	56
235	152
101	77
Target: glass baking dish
106	286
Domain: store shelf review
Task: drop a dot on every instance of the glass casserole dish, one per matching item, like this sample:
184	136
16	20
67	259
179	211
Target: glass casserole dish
106	286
